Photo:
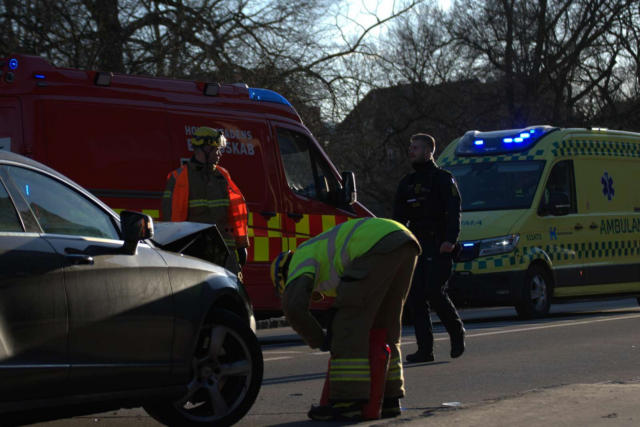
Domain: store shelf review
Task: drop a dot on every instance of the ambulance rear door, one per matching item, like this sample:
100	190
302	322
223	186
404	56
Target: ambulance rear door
310	186
253	169
10	124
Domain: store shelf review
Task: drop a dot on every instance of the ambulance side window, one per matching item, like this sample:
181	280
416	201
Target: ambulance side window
561	179
306	171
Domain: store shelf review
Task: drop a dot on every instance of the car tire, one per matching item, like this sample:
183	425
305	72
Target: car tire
226	377
537	292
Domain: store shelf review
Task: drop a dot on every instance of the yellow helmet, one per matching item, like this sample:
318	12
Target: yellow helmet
208	136
280	271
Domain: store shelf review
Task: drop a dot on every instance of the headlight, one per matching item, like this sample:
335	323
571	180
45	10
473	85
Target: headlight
499	245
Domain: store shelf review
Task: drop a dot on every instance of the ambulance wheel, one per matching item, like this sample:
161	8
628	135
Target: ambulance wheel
227	375
536	294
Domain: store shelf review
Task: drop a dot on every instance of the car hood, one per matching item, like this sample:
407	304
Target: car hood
191	238
487	224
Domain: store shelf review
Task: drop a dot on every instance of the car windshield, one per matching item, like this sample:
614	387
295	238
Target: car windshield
497	186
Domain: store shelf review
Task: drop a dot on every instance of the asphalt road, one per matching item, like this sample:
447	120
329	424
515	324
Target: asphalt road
579	343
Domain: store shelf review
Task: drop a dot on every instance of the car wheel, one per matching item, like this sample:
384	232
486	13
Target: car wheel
227	375
536	294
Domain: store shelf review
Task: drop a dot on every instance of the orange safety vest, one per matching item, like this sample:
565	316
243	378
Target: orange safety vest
236	214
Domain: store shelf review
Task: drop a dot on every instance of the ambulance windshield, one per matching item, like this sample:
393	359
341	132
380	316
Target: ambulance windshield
498	185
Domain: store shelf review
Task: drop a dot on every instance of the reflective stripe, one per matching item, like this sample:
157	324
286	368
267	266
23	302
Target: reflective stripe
208	203
334	275
395	369
167	194
339	362
307	263
362	377
342	367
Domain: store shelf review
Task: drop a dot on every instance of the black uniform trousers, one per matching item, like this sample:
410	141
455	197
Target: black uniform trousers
428	291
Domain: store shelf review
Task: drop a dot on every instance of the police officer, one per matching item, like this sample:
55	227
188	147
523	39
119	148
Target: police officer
429	202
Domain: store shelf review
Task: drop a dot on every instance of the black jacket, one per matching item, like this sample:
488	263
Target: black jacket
428	199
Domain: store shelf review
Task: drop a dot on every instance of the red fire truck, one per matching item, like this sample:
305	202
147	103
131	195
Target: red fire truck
119	136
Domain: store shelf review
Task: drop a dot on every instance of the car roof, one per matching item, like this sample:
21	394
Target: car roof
6	157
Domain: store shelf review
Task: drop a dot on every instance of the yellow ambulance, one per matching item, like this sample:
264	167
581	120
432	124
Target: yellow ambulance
548	214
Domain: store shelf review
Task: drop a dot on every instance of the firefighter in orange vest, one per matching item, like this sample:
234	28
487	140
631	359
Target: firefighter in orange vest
202	191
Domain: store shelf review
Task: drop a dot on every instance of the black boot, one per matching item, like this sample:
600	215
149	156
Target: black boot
457	344
421	356
391	407
347	411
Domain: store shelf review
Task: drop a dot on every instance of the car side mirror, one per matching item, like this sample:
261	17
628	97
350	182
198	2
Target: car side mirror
559	203
348	194
135	227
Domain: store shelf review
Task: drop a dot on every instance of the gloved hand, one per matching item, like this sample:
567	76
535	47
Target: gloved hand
326	344
242	256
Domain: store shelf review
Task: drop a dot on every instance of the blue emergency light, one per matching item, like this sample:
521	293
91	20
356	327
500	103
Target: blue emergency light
476	143
267	96
13	63
39	76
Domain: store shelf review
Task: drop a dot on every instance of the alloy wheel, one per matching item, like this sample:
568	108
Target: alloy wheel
222	369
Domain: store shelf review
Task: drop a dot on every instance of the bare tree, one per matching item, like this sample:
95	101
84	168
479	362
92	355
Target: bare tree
536	47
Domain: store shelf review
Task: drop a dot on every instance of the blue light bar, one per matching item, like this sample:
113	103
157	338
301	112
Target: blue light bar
466	245
475	143
13	63
267	96
26	187
39	76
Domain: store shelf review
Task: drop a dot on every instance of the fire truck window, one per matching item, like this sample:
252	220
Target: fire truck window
59	209
327	183
9	220
299	168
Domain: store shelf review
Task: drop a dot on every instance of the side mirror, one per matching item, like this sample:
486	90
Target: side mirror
135	227
559	203
348	194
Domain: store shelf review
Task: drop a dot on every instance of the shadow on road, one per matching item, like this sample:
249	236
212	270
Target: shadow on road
294	378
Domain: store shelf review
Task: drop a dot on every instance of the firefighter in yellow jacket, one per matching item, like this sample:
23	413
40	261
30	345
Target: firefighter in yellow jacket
202	191
367	265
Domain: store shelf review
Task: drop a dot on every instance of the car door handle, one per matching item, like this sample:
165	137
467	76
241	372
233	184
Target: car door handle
578	226
269	214
593	226
79	259
295	216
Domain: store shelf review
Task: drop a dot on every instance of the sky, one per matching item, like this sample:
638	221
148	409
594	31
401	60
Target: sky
362	11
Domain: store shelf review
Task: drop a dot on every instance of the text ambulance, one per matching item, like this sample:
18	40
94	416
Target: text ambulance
548	213
120	136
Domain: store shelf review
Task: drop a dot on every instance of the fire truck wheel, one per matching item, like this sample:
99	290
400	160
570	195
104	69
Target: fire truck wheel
537	292
227	375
